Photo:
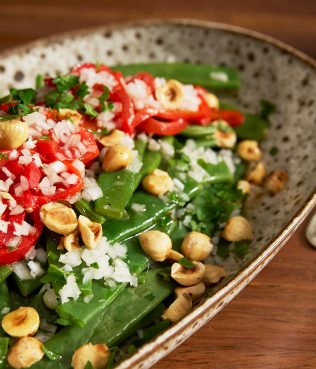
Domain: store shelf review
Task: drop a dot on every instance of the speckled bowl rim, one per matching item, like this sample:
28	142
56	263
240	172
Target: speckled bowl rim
252	268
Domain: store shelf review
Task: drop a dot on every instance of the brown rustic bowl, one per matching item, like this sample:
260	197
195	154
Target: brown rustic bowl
269	70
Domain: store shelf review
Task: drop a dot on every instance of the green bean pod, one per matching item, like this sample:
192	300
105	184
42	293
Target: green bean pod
209	76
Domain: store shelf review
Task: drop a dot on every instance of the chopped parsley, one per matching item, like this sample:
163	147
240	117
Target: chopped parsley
241	249
44	137
3	156
64	83
89	110
69	93
83	90
39	81
186	263
101	132
267	108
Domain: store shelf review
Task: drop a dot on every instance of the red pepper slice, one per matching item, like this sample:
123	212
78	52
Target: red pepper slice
201	116
9	256
33	175
5	107
89	141
163	128
233	117
145	77
47	148
99	68
51	150
67	192
119	94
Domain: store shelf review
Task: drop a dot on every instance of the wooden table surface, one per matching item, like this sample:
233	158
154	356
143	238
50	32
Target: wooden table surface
272	323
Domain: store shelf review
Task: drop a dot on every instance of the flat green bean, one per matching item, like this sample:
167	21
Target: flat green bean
209	76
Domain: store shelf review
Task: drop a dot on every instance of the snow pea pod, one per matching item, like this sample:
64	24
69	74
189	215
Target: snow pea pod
122	317
209	76
4	299
4	343
112	324
253	128
85	208
151	161
79	312
195	131
27	286
118	187
5	271
117	230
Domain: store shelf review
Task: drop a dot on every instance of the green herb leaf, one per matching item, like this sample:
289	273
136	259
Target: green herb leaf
111	360
186	263
94	265
39	82
267	108
89	365
253	128
83	90
3	156
105	96
165	274
66	82
131	349
223	248
89	110
44	137
24	96
101	132
241	249
9	117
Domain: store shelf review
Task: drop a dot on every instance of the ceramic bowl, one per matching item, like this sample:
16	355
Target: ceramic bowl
268	69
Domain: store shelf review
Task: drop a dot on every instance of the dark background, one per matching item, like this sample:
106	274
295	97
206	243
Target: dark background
272	323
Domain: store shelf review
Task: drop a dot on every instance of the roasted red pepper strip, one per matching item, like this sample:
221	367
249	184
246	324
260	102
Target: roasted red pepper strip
145	77
233	117
201	116
119	94
47	148
99	68
51	150
163	128
70	191
9	256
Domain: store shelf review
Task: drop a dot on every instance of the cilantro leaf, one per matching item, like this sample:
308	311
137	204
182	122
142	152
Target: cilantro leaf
241	249
82	90
89	365
223	248
24	96
253	128
66	82
9	117
105	96
186	263
267	108
89	110
101	132
39	82
44	137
